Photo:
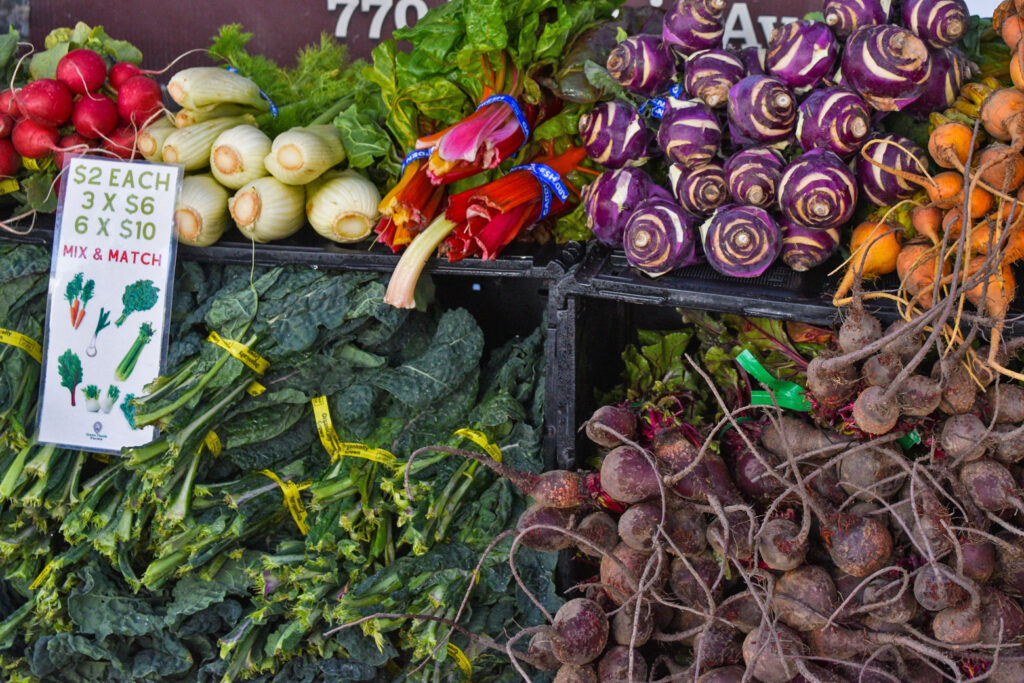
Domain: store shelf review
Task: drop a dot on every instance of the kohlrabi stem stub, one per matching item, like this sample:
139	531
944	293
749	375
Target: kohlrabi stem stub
109	300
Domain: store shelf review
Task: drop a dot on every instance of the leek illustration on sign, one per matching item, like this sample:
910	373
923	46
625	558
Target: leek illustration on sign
112	264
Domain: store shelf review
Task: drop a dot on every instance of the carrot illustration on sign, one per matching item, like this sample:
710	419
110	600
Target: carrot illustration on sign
127	364
83	299
71	293
69	365
140	295
78	293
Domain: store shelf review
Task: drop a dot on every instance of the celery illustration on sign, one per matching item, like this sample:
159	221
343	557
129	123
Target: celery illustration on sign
109	399
140	295
69	365
92	398
127	364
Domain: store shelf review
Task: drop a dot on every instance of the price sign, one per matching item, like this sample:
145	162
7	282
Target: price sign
109	300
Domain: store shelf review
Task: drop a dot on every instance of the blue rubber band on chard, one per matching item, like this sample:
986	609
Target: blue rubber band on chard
846	16
835	119
818	190
762	111
692	25
660	237
801	54
939	23
806	248
610	200
550	182
615	135
642	64
689	133
274	111
888	65
752	175
699	190
710	74
879	186
741	241
413	156
516	109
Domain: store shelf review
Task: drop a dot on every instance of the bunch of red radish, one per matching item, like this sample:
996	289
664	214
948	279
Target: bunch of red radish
73	112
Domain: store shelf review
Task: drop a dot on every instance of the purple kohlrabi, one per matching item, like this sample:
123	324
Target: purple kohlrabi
818	190
710	74
642	64
611	199
836	119
615	135
950	70
762	111
689	133
692	25
939	23
660	237
889	150
846	16
888	65
801	53
752	175
699	190
806	248
741	241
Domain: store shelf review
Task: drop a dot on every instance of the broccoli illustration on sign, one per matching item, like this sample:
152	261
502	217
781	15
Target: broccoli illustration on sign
140	295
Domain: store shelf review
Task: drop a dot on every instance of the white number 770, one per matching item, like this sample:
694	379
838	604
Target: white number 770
348	8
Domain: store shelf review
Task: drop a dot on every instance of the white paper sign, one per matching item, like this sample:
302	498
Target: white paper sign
109	299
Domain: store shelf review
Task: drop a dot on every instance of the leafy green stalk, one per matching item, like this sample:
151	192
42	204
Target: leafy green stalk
69	366
139	296
127	365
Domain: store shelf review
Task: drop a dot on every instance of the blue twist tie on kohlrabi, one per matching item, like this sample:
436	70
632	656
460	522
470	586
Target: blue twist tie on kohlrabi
274	111
413	156
550	182
516	109
658	104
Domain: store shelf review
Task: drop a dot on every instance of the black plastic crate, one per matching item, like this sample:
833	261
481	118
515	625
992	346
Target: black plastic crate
308	248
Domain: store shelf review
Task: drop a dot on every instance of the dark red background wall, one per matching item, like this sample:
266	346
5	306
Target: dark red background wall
163	30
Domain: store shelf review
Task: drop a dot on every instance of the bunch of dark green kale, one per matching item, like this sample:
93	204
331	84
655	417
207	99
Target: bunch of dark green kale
175	562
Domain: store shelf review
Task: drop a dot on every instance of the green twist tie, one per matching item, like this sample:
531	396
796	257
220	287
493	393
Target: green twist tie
909	440
787	395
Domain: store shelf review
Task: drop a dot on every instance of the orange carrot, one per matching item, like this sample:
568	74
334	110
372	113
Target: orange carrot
74	312
874	248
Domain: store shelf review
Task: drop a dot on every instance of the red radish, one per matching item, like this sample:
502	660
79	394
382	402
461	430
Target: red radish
9	103
6	126
138	99
121	72
70	145
45	101
94	116
121	142
82	71
10	160
34	140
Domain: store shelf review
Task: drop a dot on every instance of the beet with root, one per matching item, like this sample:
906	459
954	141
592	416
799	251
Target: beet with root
686	528
718	645
928	520
781	544
874	412
831	387
620	583
614	666
1005	403
859	546
580	631
541	650
628	476
906	345
692	587
1009	573
991	486
600	529
935	589
753	480
871	473
608	422
805	598
918	396
958	389
898	608
882	368
979	560
963	437
725	674
791	434
1007	444
858	330
741	611
770	653
625	622
545	540
574	673
638	526
957	625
